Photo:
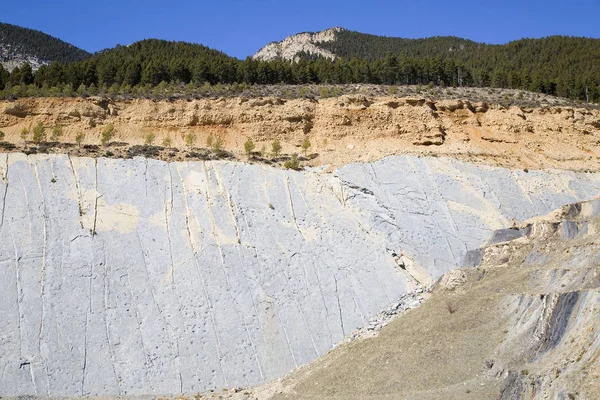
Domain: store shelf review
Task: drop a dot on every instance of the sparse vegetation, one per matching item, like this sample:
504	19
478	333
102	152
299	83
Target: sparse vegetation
292	163
305	146
167	141
2	135
276	148
24	135
107	135
57	133
190	140
149	139
17	110
249	147
217	145
79	138
39	133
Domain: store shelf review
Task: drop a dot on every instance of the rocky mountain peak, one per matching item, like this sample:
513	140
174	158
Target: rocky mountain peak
307	42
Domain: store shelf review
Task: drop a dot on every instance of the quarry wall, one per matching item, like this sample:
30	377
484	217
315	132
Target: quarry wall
146	277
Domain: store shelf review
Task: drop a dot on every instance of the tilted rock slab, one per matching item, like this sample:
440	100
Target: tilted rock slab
143	277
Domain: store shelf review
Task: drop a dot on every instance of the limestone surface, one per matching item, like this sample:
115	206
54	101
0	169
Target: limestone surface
131	277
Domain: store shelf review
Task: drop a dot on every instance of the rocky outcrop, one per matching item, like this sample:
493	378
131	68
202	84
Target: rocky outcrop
290	47
128	277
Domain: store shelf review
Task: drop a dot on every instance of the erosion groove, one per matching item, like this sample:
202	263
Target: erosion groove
228	274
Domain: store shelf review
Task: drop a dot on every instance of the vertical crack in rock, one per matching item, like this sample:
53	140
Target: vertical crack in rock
151	290
97	196
43	266
5	193
435	220
111	351
239	240
77	187
289	193
85	331
19	292
146	177
204	289
279	319
33	378
320	260
168	216
339	306
147	361
304	241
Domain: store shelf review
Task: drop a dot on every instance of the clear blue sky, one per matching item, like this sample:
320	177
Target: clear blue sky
241	27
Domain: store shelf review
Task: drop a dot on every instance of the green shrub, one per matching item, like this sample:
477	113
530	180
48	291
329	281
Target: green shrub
24	134
305	145
107	135
39	133
190	139
276	147
57	133
149	139
293	163
166	141
217	145
249	147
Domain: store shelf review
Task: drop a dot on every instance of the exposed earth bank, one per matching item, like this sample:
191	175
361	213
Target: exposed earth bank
351	128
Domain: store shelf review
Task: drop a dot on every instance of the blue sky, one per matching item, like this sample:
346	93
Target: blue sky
241	27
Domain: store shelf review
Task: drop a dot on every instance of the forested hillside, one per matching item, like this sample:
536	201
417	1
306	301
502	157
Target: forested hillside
561	66
16	40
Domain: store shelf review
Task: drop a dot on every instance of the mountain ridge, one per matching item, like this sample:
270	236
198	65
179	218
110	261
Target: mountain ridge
19	46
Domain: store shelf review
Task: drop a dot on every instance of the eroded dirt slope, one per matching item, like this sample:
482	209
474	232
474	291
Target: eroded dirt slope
341	130
522	324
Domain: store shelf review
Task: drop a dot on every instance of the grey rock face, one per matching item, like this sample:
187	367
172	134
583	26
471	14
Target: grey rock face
144	277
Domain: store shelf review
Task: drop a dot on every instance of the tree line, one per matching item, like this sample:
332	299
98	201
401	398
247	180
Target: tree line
561	69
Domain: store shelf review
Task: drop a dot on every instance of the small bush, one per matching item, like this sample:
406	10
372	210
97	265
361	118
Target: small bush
305	145
217	145
249	147
79	138
149	139
190	139
24	134
107	135
166	141
18	110
2	135
57	133
39	133
276	148
293	163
